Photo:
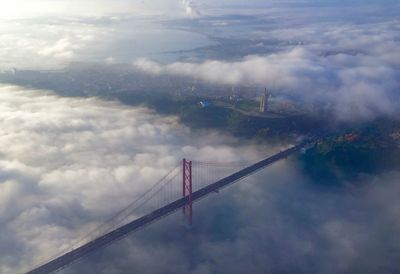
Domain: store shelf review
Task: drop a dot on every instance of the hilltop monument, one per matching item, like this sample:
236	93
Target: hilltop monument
264	101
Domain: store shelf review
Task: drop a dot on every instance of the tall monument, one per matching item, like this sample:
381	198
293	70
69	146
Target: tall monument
264	101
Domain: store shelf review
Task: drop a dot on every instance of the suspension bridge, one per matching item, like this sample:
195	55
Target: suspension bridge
187	183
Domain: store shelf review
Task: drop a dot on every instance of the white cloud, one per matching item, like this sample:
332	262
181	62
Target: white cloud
275	221
190	9
276	69
68	164
48	43
354	69
63	48
52	43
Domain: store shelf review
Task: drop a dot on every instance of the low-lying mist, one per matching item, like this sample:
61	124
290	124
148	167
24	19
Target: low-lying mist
66	164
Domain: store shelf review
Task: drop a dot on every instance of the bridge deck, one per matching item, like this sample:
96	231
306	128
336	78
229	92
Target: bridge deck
72	256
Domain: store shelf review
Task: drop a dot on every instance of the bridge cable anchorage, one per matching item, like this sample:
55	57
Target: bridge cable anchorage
177	192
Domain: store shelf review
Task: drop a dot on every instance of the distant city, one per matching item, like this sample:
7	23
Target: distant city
92	79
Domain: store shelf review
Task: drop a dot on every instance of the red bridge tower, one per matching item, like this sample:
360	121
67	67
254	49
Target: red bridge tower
187	190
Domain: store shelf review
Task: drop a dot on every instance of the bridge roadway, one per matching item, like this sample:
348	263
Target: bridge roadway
74	255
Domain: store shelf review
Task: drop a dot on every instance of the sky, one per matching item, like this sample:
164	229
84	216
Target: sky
67	164
21	8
